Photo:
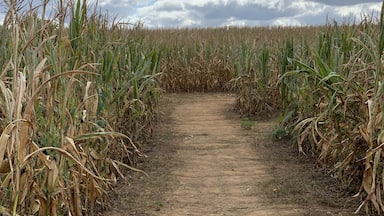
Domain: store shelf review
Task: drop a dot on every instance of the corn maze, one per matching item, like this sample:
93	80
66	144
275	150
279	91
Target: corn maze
79	94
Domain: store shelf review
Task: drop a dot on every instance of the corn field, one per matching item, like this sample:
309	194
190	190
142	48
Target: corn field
333	106
77	99
79	95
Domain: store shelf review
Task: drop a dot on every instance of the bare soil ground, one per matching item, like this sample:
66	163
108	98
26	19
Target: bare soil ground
202	162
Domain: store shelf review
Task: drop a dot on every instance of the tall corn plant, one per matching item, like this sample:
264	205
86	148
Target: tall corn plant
59	149
285	54
258	94
372	132
192	64
340	113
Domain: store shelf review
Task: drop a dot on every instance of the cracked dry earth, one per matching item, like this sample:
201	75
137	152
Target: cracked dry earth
202	162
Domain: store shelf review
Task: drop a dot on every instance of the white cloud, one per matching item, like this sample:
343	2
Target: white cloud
203	13
286	21
345	2
307	7
357	10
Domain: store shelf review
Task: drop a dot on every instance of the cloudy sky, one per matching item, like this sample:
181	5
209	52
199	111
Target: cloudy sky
217	13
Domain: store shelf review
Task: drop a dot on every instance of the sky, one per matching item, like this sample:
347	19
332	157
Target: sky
222	13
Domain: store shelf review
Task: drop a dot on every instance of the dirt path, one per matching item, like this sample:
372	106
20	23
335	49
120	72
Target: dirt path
202	162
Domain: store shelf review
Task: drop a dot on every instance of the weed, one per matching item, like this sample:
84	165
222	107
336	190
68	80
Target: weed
247	124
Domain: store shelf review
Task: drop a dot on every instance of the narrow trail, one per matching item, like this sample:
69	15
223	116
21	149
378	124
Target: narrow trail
202	162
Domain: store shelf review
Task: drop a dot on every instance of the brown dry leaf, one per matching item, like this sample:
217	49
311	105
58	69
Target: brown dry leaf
43	203
24	186
373	199
4	140
23	126
371	194
53	174
37	74
53	206
117	168
322	105
376	161
91	193
378	120
86	94
360	206
8	67
301	139
71	148
98	190
9	101
345	162
64	153
95	155
379	200
95	103
19	95
370	112
367	176
71	130
35	206
380	137
364	133
21	137
379	190
325	146
44	158
129	167
5	167
373	151
77	198
6	181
